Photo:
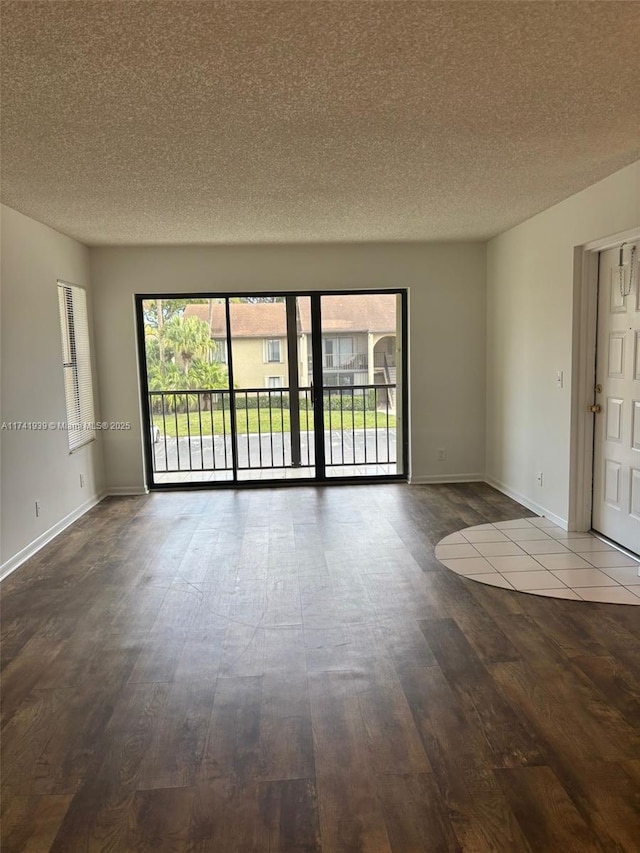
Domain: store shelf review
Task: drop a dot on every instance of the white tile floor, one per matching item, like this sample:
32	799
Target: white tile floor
534	555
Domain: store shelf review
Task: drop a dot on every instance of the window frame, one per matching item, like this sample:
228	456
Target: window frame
220	351
268	379
73	315
267	351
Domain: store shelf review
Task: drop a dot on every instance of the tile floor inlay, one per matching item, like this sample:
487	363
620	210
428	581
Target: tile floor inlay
536	556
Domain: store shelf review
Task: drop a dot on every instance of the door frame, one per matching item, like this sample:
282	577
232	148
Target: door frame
316	334
584	337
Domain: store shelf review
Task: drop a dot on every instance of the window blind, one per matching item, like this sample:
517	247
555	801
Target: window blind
76	365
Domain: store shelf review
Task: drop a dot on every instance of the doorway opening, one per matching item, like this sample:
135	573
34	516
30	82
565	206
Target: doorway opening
605	426
273	388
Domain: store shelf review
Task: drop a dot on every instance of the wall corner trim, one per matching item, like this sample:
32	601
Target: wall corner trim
525	501
433	479
33	547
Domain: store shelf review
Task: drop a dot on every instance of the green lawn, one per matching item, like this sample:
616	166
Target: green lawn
247	422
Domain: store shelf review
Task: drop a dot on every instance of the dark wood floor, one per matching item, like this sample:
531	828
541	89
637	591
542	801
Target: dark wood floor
291	670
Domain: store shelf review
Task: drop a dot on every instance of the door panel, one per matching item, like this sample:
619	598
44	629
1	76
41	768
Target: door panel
188	397
271	390
635	430
614	419
616	474
635	493
361	362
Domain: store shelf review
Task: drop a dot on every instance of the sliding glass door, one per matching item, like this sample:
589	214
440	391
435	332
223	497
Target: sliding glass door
272	394
240	389
361	336
187	390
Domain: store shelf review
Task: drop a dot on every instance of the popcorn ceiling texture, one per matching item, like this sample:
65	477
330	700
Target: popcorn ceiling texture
243	122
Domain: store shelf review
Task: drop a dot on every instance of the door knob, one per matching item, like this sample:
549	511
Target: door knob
595	409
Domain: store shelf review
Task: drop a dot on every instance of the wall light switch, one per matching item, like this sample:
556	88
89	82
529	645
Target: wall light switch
560	379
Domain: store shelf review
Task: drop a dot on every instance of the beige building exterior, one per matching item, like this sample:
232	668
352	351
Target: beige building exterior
359	340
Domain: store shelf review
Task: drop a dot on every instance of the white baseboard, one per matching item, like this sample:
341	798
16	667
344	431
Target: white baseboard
123	491
426	479
33	547
525	501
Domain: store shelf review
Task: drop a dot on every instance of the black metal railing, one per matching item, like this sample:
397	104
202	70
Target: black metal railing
193	431
359	425
263	426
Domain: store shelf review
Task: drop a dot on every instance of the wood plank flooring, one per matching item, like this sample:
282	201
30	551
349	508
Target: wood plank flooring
292	671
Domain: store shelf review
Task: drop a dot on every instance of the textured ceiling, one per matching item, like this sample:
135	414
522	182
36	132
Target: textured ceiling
227	122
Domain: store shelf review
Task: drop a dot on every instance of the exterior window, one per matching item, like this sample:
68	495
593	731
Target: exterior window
219	353
272	350
76	365
337	352
274	381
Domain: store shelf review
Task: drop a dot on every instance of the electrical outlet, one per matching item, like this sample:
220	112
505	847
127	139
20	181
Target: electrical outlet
442	455
82	481
539	478
37	509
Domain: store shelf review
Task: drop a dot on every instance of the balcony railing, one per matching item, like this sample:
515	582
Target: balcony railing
193	431
359	423
343	361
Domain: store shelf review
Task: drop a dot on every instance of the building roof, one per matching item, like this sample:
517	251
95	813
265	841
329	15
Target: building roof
341	314
375	312
248	320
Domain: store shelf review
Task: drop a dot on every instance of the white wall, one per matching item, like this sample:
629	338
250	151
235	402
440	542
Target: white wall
36	465
447	331
530	284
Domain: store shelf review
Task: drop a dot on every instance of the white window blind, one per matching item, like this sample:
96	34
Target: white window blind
76	365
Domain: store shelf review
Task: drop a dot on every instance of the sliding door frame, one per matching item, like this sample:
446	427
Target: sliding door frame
320	477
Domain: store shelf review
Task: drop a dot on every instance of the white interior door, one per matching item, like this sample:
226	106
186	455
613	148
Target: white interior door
616	473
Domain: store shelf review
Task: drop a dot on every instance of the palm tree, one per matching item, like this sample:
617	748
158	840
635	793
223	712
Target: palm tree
178	360
208	374
167	377
205	375
190	338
